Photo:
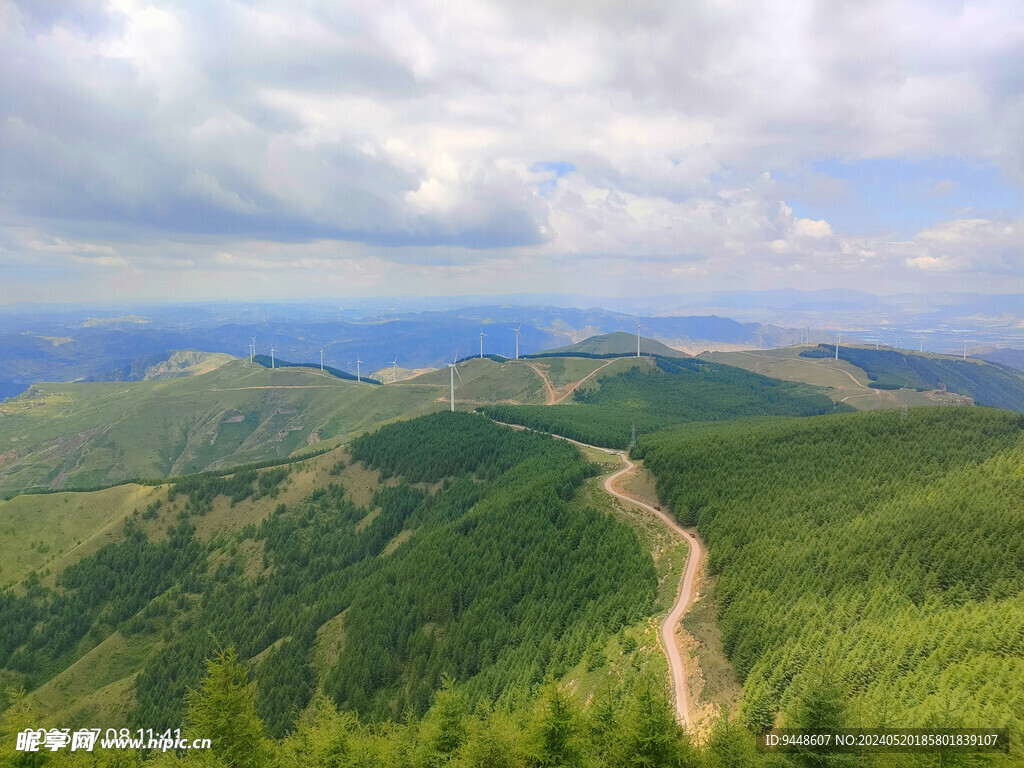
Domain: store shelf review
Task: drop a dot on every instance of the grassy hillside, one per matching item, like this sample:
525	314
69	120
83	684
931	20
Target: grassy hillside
839	379
870	551
92	434
274	363
985	383
1011	358
370	586
675	392
618	343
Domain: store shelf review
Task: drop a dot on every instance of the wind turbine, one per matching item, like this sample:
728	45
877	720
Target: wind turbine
922	344
807	333
321	359
358	375
839	340
639	325
760	339
252	346
454	372
517	341
482	334
394	370
272	350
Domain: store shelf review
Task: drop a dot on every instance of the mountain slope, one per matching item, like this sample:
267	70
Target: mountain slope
986	383
1011	358
618	343
839	379
870	549
675	391
446	546
92	434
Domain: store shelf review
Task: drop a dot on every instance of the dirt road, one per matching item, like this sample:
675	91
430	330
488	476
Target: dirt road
683	599
549	390
576	386
684	596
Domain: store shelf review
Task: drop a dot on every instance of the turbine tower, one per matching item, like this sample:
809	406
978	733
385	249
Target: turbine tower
394	370
272	350
454	372
639	325
807	333
760	339
358	375
517	341
922	344
321	359
839	340
252	346
482	334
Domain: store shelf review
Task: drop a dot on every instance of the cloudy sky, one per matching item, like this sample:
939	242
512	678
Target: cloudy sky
193	150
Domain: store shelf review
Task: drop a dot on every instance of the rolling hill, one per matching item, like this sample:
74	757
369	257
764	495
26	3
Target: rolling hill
444	572
445	546
985	383
664	393
1011	358
839	379
90	434
274	363
613	344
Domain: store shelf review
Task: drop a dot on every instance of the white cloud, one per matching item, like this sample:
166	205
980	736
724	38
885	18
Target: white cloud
812	228
409	131
932	263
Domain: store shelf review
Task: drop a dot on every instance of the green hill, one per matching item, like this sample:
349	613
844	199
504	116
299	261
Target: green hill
446	546
839	379
611	344
673	392
986	383
269	362
186	362
877	552
61	435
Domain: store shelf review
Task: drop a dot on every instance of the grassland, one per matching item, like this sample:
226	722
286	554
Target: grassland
842	381
187	363
62	435
985	383
44	533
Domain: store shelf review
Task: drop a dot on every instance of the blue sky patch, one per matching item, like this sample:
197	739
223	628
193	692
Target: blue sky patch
559	168
874	196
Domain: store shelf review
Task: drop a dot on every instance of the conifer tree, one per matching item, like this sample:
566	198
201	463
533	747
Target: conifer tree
650	736
552	739
223	709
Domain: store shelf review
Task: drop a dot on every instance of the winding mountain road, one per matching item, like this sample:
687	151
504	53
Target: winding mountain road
684	596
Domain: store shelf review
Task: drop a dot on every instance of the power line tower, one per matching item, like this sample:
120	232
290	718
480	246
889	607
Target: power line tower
632	438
